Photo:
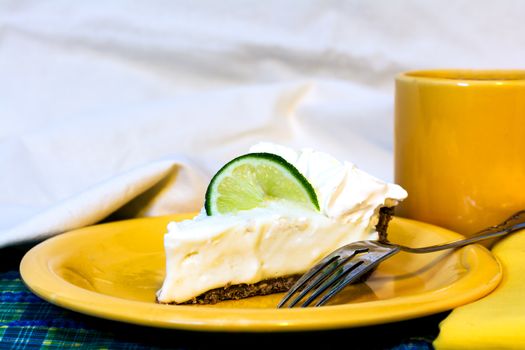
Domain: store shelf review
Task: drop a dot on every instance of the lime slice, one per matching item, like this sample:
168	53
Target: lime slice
254	179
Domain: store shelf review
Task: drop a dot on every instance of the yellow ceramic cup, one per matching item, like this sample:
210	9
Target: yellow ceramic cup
460	146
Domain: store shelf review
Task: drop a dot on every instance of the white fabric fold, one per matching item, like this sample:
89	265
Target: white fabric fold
126	192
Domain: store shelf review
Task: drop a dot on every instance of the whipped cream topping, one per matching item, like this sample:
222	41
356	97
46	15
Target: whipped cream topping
344	191
279	239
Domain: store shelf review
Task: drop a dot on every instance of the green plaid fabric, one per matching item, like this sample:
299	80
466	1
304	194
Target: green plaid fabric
28	322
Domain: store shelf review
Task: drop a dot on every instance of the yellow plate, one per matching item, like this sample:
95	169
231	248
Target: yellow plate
113	271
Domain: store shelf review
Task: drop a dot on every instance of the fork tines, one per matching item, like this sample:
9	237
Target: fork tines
342	267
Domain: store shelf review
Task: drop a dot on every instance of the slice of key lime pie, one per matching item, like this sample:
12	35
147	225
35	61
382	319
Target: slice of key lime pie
269	216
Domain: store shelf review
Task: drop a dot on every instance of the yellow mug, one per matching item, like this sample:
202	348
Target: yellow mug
459	146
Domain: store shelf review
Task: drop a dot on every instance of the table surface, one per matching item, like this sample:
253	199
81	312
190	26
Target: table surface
26	322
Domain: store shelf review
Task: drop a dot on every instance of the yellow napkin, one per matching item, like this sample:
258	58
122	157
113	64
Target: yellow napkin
498	320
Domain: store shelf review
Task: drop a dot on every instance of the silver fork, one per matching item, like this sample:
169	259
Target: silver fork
352	262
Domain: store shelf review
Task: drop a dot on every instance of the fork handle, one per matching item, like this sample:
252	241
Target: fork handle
514	223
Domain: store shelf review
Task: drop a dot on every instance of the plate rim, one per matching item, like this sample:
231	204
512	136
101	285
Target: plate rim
38	275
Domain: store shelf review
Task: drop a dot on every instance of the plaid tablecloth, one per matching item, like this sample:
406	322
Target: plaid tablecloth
28	322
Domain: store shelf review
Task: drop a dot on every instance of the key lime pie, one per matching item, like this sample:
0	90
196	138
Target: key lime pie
269	216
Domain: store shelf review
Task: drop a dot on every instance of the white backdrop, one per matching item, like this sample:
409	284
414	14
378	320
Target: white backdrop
133	105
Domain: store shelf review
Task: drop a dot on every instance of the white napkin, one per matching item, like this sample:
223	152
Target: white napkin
132	107
160	187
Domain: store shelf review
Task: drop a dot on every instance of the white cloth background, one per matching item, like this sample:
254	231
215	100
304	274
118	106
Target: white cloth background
133	105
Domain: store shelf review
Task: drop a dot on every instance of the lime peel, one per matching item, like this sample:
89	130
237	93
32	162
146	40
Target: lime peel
254	179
